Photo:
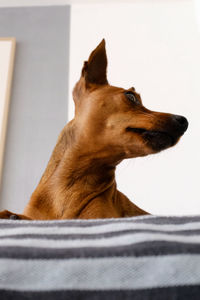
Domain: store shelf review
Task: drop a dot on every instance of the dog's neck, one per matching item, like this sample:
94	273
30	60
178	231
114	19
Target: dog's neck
73	178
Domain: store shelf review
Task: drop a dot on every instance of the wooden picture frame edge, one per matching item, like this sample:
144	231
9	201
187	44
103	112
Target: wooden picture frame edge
7	99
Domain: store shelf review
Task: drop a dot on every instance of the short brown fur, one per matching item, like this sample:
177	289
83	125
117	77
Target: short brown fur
110	124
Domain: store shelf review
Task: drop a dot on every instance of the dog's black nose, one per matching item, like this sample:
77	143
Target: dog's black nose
181	121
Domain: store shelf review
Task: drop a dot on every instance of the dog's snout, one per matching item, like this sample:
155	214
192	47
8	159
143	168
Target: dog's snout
181	122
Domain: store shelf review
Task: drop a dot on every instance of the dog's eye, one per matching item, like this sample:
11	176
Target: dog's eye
130	96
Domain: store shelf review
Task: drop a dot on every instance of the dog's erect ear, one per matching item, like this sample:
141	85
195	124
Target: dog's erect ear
94	70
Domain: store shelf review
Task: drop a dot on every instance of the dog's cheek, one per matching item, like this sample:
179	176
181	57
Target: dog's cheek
136	147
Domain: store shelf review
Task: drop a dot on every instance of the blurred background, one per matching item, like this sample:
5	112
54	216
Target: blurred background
153	45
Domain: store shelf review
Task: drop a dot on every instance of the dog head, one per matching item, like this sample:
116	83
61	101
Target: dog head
113	121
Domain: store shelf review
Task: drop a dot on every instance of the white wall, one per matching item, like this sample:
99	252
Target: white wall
154	46
29	3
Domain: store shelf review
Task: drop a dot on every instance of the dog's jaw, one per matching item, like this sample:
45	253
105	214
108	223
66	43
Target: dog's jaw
156	140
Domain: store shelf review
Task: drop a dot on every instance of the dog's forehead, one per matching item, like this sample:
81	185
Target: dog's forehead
108	91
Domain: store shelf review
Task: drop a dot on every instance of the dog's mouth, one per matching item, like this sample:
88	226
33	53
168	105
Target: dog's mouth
157	140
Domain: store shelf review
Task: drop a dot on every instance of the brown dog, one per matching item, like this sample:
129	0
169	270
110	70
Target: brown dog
110	124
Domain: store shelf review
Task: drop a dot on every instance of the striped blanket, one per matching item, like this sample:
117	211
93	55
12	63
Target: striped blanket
133	258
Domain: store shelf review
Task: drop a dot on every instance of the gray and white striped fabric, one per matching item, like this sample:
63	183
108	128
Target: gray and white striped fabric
133	258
